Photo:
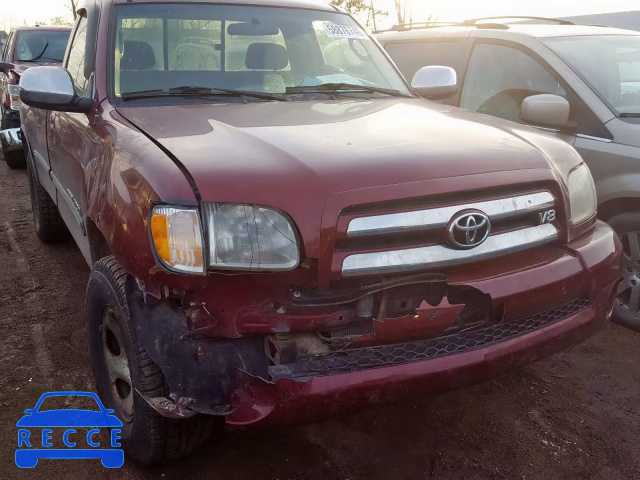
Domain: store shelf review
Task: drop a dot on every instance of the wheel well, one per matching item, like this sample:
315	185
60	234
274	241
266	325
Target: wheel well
613	207
98	245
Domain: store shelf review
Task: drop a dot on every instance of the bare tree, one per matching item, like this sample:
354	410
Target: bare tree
60	21
357	7
401	10
404	11
73	6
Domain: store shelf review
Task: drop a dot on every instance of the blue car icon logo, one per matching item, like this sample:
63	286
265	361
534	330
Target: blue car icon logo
38	429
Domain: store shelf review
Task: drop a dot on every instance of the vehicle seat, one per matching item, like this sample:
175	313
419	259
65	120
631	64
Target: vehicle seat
269	57
136	57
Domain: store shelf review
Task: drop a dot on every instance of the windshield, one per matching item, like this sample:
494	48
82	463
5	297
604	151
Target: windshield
41	46
243	48
609	63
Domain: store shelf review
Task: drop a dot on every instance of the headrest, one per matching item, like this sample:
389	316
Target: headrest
137	56
266	56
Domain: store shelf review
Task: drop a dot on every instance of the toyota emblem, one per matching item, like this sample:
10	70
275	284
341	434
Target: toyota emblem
468	229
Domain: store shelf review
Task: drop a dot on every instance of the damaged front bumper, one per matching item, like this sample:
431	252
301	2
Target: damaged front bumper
332	390
539	303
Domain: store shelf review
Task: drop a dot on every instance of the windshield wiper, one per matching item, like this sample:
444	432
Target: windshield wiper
195	91
629	115
344	88
37	57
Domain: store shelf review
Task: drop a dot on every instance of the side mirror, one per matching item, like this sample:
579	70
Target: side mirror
51	88
6	67
546	110
29	411
435	82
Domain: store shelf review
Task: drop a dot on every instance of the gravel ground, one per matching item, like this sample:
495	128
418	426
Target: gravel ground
571	416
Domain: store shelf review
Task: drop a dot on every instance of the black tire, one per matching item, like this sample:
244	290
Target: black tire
15	160
48	223
626	309
147	436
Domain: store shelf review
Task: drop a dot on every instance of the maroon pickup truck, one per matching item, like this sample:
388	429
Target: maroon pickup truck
26	47
280	228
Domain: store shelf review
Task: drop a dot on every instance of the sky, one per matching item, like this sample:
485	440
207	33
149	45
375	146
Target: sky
31	11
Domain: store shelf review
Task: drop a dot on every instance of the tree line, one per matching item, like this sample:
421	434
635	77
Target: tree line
362	8
403	10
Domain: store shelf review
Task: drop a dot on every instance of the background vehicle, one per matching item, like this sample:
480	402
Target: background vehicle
275	237
590	78
25	48
3	39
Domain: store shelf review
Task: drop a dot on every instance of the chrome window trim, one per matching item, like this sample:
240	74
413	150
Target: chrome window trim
437	256
596	139
439	217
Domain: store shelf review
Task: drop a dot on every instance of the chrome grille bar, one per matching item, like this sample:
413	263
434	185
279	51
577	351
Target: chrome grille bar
437	256
439	217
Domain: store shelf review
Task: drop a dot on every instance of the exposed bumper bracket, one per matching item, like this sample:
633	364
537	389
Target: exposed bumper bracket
167	408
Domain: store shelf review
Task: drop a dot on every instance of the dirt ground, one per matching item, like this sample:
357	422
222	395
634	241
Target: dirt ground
572	416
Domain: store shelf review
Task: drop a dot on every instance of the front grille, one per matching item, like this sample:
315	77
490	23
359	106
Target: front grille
434	237
429	349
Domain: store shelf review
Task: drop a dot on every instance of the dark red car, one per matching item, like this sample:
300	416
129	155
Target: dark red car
279	228
25	47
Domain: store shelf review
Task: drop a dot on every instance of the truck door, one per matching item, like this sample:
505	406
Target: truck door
70	136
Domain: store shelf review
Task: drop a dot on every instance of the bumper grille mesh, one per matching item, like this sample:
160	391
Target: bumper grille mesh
363	358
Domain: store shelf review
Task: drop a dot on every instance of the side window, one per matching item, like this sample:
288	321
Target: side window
75	63
411	57
499	78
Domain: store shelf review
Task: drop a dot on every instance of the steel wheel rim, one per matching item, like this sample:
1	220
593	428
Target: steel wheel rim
117	362
628	293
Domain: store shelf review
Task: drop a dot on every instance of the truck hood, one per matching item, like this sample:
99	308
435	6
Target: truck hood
234	151
314	159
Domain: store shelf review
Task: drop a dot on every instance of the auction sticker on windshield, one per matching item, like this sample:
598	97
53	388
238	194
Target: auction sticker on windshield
343	31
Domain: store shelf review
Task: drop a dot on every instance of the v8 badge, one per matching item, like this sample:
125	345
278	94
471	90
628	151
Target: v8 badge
547	216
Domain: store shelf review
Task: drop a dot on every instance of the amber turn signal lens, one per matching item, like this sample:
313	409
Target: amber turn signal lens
177	239
160	235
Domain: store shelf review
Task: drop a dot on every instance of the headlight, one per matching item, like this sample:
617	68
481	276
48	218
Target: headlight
177	238
14	97
582	194
248	237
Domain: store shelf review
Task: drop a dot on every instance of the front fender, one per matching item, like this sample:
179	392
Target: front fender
125	173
